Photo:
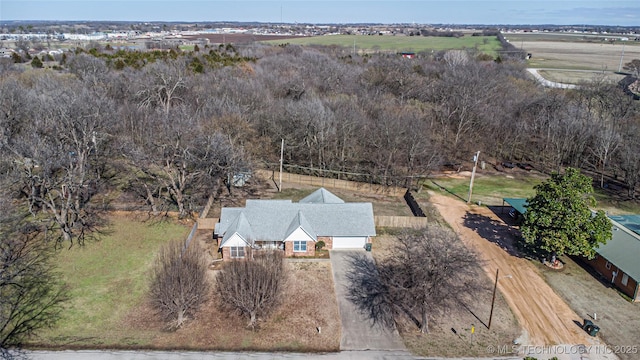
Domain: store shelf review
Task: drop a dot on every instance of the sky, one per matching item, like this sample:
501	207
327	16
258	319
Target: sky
534	12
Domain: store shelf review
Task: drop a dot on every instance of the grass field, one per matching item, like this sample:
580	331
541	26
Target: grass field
575	51
489	190
106	279
574	77
364	43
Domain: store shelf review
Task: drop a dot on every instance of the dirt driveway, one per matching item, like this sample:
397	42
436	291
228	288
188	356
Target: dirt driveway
545	317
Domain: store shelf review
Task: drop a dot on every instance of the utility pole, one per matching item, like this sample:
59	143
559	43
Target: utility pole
473	175
281	159
493	300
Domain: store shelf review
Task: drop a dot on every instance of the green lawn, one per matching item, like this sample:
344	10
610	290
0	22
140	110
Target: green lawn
106	279
486	44
488	189
616	204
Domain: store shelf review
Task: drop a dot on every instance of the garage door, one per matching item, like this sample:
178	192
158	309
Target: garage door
344	242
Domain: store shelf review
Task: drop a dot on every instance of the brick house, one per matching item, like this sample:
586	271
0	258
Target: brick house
294	227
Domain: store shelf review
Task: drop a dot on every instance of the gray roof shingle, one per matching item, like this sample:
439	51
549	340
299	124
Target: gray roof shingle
322	196
272	220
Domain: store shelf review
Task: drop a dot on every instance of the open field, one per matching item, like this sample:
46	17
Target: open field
579	55
488	189
561	36
372	43
572	51
106	279
578	76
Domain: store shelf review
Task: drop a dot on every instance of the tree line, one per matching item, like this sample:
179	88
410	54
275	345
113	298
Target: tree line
170	129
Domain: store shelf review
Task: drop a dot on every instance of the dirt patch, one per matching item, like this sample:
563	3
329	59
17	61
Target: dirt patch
383	204
545	317
587	294
309	303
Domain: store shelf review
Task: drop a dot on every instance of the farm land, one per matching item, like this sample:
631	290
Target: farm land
373	43
574	59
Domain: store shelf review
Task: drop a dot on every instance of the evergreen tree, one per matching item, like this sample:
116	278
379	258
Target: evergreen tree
558	219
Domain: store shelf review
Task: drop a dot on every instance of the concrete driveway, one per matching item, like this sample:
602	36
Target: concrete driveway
358	331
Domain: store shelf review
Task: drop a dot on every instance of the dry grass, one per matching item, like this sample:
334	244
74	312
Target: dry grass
576	77
309	302
587	293
579	55
450	332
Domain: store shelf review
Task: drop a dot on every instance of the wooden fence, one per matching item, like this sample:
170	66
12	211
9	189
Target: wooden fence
207	223
331	183
401	221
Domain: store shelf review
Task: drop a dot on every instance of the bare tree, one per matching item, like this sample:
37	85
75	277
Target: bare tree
88	68
427	272
31	294
179	282
634	67
184	162
57	151
165	85
628	156
252	288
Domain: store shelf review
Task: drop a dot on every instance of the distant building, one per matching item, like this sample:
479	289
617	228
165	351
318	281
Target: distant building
408	55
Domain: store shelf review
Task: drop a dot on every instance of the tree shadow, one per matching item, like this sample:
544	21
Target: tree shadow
448	191
367	292
474	314
589	269
494	231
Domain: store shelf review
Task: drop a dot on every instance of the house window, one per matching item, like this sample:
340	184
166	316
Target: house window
608	265
625	279
237	251
299	246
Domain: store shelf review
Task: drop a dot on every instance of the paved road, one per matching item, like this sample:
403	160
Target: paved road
561	352
193	355
358	331
547	83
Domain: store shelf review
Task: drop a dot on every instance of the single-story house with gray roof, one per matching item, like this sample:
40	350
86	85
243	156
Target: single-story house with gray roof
294	227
